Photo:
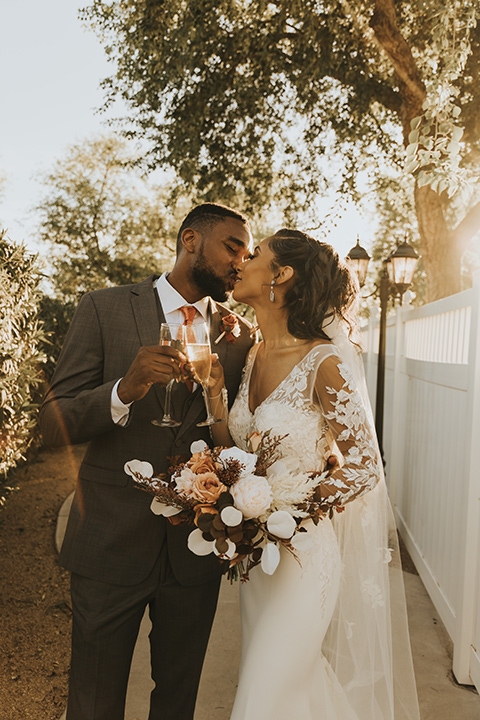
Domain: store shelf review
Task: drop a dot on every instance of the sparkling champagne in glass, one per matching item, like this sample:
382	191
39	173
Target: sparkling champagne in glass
171	334
198	352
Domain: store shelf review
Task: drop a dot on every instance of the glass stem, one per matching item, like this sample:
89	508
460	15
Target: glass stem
168	399
208	406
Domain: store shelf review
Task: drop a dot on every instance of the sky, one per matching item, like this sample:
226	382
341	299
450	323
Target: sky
51	67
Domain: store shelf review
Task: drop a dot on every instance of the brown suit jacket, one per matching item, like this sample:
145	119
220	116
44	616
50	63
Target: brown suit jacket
111	534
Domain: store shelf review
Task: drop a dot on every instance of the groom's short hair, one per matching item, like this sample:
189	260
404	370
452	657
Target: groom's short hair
205	216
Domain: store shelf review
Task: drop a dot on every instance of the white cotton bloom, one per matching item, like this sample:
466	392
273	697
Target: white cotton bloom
198	545
302	542
140	467
231	516
159	508
281	524
270	558
249	460
198	446
229	553
252	495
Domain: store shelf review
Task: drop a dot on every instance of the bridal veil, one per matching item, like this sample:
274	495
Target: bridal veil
367	644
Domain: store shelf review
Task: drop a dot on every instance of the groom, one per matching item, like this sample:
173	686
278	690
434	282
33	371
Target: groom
108	386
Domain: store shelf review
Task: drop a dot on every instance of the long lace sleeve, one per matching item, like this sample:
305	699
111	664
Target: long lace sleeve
346	415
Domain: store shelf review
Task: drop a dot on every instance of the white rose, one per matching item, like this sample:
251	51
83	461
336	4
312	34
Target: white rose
184	481
247	459
252	495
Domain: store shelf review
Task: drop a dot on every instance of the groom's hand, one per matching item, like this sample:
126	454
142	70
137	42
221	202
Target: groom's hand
155	364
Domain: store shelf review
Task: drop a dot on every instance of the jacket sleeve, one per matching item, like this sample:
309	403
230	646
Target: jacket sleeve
77	405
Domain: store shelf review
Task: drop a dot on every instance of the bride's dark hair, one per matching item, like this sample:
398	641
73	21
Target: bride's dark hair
323	285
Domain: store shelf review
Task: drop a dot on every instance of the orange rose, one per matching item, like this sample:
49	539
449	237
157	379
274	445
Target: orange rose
201	463
206	487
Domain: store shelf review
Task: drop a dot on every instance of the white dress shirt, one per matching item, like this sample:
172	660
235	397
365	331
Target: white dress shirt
171	302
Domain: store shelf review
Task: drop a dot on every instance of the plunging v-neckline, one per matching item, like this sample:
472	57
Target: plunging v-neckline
252	365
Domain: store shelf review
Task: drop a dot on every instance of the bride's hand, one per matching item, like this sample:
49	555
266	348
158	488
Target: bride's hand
332	464
216	380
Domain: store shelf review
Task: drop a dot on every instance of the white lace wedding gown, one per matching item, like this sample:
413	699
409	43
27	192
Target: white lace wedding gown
284	673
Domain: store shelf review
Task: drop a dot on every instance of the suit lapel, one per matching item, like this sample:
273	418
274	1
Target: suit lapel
145	310
148	315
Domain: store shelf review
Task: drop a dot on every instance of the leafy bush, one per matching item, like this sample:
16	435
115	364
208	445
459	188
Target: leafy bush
21	370
56	315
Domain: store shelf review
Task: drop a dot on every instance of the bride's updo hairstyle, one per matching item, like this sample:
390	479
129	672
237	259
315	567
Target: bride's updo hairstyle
323	286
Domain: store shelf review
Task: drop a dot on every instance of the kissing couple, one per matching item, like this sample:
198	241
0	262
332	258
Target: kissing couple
319	639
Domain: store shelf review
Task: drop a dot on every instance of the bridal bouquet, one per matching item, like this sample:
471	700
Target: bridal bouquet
244	505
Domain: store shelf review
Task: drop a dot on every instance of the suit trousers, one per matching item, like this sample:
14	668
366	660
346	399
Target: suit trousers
106	621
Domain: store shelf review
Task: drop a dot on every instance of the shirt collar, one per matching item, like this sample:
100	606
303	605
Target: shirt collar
172	300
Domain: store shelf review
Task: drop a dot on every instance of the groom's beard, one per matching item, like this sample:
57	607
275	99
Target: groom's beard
205	278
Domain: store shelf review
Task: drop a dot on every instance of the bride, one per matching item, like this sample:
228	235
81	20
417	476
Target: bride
324	637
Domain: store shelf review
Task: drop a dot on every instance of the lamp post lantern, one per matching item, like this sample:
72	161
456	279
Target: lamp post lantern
396	278
357	260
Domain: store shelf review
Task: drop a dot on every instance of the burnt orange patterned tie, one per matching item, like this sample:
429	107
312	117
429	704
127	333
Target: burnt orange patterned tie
189	313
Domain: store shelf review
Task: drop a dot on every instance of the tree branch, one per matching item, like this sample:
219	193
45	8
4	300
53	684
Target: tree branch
385	26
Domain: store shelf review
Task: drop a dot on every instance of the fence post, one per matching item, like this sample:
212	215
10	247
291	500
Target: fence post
372	355
469	558
398	410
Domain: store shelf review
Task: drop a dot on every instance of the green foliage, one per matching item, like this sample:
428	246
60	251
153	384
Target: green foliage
434	153
56	315
102	222
278	102
250	97
20	357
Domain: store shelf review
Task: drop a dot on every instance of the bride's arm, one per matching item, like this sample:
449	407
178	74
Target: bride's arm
219	403
345	412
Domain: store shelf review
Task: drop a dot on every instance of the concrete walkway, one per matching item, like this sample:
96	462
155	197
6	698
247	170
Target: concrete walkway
440	697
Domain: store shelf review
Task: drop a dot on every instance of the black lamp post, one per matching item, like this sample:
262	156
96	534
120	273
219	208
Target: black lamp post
395	279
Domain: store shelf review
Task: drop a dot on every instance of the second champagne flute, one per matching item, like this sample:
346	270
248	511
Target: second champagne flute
197	350
171	334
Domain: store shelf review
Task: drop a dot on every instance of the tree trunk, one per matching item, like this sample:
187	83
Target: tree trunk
440	253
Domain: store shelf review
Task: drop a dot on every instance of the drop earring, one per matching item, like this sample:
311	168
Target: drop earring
272	294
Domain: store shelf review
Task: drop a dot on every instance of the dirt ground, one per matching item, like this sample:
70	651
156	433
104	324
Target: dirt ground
35	612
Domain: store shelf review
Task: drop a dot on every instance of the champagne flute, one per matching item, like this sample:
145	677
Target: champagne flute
171	334
198	352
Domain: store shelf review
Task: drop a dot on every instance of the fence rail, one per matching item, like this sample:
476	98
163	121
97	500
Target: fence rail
432	452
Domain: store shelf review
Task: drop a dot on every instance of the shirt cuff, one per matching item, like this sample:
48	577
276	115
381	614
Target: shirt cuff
119	410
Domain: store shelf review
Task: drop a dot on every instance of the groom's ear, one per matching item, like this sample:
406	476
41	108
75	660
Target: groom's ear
190	239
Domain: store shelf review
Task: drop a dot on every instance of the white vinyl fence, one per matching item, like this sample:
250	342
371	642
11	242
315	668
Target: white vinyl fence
432	452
